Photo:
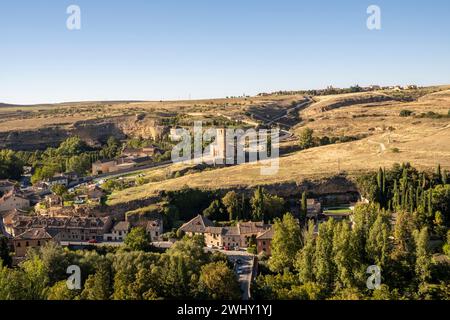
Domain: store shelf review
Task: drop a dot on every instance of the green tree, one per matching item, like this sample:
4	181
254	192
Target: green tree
4	251
346	257
137	239
423	256
72	146
304	206
219	282
257	203
445	177
440	201
59	190
134	276
35	281
306	139
404	250
60	292
285	244
231	203
55	261
364	217
98	285
215	211
325	266
273	206
304	263
11	167
446	247
378	246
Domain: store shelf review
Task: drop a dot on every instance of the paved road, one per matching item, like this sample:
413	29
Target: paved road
244	270
288	111
245	275
266	121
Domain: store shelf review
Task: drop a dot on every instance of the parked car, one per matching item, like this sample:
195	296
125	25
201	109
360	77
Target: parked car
92	241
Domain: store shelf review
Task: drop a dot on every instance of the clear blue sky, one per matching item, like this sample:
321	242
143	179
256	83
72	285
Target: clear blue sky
167	49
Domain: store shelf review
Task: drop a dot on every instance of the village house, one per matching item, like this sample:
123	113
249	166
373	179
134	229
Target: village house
104	166
239	236
149	151
56	180
60	228
118	232
196	226
117	165
31	238
13	199
154	228
314	208
72	176
264	241
6	186
95	195
53	200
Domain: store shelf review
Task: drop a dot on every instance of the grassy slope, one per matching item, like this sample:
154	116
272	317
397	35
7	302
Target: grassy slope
423	142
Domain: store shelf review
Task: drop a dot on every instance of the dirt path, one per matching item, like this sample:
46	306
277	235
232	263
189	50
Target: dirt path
381	144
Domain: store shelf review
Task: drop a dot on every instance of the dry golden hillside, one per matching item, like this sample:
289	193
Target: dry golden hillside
424	142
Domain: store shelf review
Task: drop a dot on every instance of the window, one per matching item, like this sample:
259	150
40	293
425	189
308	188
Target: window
18	244
27	244
39	243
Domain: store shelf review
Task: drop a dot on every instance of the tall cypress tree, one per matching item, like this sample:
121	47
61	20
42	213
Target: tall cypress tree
438	172
395	199
304	206
430	203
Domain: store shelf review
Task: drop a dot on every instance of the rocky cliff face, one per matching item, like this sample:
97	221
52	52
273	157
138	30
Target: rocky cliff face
320	188
94	132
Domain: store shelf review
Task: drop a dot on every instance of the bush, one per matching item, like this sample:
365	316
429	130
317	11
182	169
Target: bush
252	249
395	150
405	113
446	249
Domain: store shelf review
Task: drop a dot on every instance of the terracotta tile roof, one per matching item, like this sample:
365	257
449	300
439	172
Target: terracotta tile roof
122	226
12	193
214	230
197	225
34	234
7	183
267	235
251	227
20	221
153	225
231	231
